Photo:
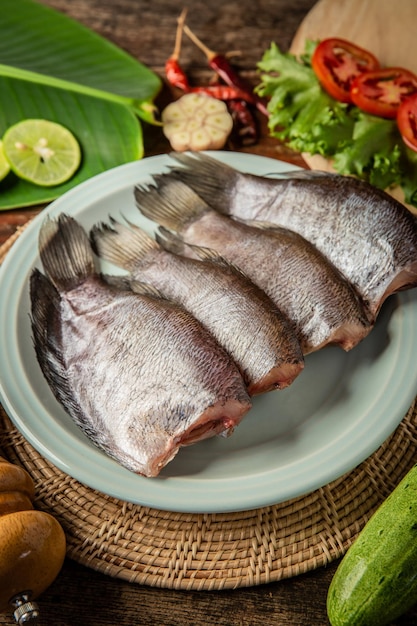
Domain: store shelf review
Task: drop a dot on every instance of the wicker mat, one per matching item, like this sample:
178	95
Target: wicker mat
214	551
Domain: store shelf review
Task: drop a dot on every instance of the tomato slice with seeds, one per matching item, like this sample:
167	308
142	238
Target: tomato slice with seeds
336	62
380	92
407	121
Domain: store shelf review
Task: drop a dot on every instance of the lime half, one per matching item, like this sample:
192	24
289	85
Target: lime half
41	152
4	163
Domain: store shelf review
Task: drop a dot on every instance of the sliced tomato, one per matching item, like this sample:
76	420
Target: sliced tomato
380	92
407	121
336	62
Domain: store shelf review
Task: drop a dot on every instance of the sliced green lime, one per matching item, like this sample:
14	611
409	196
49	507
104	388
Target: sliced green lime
41	152
4	163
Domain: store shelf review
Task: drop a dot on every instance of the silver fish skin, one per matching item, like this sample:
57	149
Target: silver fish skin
258	337
293	273
137	373
368	235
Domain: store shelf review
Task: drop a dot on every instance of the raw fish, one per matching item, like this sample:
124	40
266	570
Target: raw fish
137	373
302	283
259	338
368	235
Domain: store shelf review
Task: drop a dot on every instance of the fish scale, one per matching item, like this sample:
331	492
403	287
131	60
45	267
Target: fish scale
308	289
259	337
137	373
368	235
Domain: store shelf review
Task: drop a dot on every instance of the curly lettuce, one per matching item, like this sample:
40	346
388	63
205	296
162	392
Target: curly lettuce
309	120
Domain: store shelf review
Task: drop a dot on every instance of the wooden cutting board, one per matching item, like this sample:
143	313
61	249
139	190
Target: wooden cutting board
388	28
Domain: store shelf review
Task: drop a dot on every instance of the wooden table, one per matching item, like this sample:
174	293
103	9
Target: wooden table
80	596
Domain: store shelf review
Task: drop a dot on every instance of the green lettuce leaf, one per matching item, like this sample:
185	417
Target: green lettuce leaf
301	112
374	152
309	120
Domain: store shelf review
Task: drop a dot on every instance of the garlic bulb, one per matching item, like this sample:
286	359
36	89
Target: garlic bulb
196	122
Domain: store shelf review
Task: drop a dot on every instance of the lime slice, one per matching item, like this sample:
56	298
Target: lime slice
4	163
41	152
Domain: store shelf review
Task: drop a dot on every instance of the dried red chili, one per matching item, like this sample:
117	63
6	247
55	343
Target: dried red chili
221	92
173	71
244	124
220	64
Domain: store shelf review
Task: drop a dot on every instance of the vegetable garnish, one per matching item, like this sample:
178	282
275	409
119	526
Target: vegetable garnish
309	120
232	89
196	122
337	62
4	163
173	70
221	65
42	152
407	121
380	92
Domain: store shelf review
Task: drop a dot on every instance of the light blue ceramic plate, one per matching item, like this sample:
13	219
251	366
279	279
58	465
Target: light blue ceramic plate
337	412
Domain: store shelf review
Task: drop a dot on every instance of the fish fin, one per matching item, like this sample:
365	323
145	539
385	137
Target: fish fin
261	225
170	241
65	252
145	289
47	340
124	246
121	283
45	313
209	178
303	174
173	243
171	203
208	254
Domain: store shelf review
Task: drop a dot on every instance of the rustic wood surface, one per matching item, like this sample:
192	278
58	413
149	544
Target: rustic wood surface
80	596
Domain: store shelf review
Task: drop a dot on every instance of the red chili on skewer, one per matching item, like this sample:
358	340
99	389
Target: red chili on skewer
220	64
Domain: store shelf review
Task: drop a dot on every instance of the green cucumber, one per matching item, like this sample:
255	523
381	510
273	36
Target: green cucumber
376	581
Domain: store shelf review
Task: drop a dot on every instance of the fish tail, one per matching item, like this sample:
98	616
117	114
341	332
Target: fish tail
124	246
65	252
209	178
171	203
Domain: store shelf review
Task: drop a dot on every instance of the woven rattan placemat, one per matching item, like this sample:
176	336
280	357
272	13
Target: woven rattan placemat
213	551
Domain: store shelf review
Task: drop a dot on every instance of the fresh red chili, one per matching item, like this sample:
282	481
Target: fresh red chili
173	71
380	92
336	62
407	121
220	64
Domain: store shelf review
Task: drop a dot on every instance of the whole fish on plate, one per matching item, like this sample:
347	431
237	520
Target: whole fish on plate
301	282
137	373
370	237
258	337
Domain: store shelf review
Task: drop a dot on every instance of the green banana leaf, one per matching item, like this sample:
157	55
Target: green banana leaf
40	40
109	134
53	68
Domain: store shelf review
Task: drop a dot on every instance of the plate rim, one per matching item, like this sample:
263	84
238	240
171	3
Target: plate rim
194	504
